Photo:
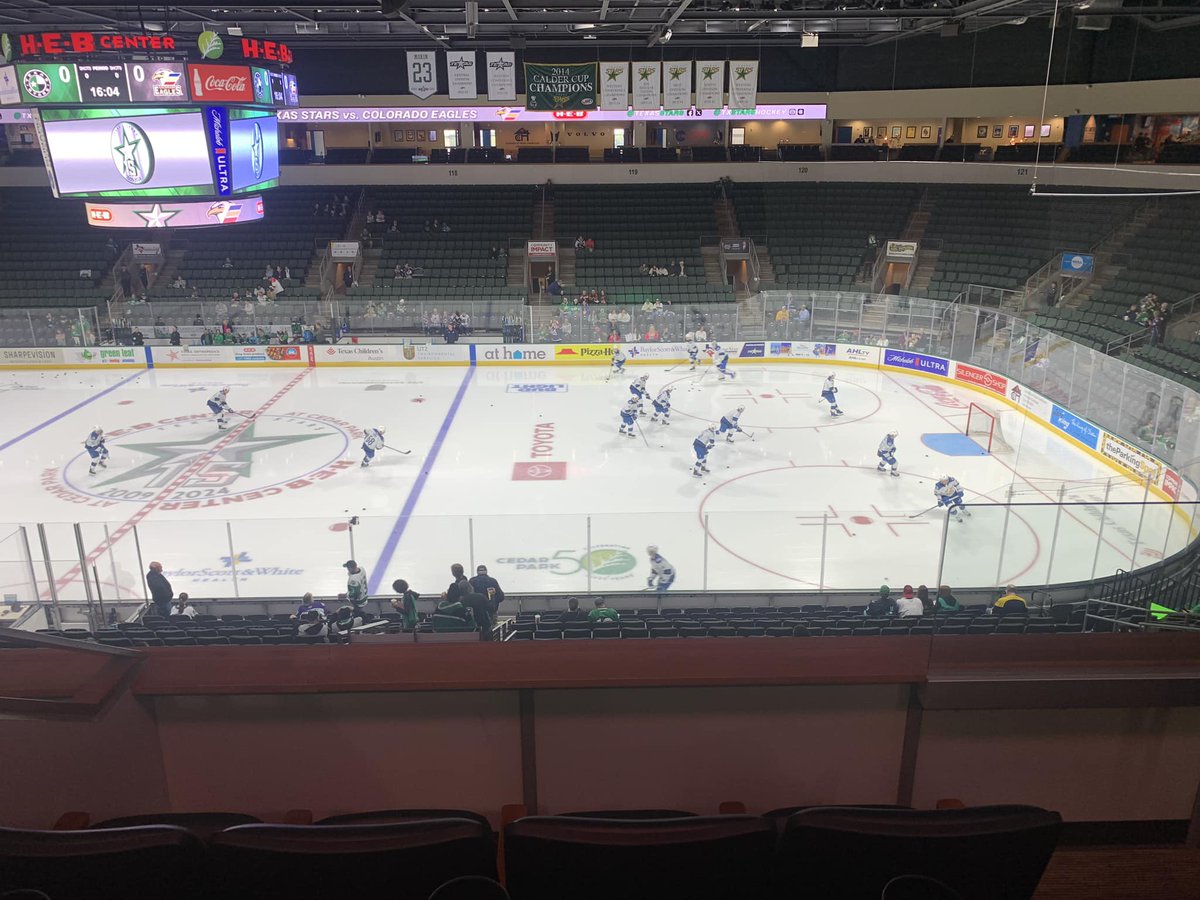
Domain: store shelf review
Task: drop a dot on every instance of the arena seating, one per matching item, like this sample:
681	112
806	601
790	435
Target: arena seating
829	852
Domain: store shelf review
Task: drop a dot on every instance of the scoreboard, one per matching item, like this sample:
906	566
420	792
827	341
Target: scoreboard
68	83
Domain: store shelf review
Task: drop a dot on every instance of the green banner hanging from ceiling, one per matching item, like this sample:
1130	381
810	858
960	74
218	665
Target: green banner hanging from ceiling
550	86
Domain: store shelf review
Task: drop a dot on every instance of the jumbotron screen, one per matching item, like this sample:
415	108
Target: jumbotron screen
114	152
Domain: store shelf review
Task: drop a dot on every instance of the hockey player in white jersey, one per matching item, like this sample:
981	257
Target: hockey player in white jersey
721	360
96	449
662	573
829	395
662	406
638	388
693	352
372	441
618	362
219	404
729	423
629	414
705	441
949	493
887	453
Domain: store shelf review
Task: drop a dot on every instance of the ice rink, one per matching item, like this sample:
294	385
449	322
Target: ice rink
522	468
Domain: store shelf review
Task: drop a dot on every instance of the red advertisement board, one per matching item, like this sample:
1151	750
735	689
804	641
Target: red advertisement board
220	84
998	384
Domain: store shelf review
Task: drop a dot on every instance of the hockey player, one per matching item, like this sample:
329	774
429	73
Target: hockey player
829	395
661	571
949	493
887	453
721	360
705	441
618	362
693	352
662	406
638	389
219	404
372	441
629	414
729	424
96	449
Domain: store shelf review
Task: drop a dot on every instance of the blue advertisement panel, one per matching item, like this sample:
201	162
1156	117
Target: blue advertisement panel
1080	429
216	120
1077	263
902	359
753	350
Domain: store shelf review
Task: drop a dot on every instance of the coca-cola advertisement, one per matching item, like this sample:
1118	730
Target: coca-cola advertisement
221	84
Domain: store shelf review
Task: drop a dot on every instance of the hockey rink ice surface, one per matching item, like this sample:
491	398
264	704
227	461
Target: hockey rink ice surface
523	469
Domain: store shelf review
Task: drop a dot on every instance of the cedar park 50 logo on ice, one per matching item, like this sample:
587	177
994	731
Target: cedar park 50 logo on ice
205	467
604	561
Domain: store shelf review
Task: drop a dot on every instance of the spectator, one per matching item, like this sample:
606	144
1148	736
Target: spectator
308	604
312	625
199	320
579	243
405	603
456	573
644	269
908	606
394	227
590	244
183	607
1009	604
603	613
946	601
174	337
682	269
346	620
347	278
573	613
488	586
451	615
126	281
923	596
883	605
356	585
652	333
228	264
160	589
480	607
138	338
781	315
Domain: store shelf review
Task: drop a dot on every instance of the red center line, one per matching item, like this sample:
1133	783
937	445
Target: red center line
1021	477
200	462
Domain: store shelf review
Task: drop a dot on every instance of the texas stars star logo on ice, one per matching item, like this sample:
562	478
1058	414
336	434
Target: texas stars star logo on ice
131	152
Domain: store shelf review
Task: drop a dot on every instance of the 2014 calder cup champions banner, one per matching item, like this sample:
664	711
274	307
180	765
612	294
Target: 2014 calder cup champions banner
560	86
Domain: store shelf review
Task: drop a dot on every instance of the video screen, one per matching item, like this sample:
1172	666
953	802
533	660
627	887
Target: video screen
115	152
254	140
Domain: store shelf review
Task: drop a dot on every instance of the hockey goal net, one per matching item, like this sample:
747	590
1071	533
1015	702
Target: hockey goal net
984	428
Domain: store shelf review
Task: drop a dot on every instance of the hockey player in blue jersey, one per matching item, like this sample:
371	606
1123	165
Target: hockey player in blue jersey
662	406
96	449
887	453
638	389
949	493
219	404
662	573
705	441
721	360
729	423
693	352
629	414
372	441
618	362
829	395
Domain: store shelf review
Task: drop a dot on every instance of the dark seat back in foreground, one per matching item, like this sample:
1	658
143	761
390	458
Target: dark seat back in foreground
985	853
398	861
700	858
109	864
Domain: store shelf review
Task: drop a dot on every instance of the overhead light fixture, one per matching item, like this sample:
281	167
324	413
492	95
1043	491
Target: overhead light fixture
808	39
667	35
234	30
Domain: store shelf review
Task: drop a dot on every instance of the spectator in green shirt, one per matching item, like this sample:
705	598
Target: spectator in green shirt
946	601
603	613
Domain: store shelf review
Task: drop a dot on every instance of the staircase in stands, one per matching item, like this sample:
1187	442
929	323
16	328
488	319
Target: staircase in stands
515	273
927	257
1107	252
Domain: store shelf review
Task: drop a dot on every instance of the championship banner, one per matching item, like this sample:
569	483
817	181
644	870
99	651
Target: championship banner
614	85
743	84
422	73
647	85
460	74
560	86
677	85
502	76
710	83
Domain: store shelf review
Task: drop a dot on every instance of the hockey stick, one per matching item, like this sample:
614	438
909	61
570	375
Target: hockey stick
638	426
922	512
396	450
249	415
748	434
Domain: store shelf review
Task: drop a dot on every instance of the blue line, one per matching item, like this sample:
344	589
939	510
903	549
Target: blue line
393	541
78	406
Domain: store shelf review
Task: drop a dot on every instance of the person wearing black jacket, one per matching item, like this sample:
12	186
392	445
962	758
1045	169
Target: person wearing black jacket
881	606
480	607
485	584
574	613
160	589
